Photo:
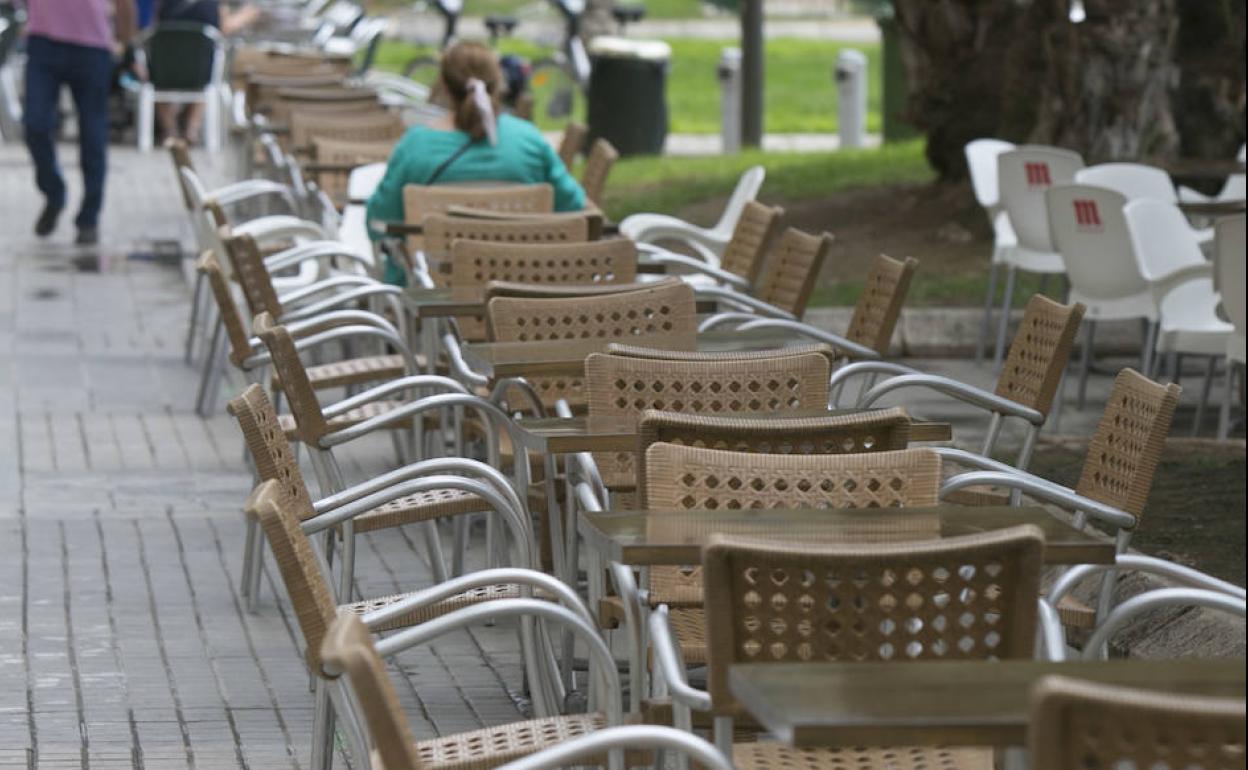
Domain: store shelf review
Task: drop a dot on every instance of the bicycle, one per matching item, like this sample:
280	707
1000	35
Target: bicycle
559	83
424	68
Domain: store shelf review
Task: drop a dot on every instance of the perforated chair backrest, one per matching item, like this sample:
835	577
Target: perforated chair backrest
1039	352
879	306
442	231
748	185
235	327
252	275
184	56
340	153
375	127
961	598
1090	232
602	156
420	201
1077	723
792	269
1161	238
310	422
1229	268
1024	176
981	161
1129	439
619	388
298	565
477	263
1135	181
753	233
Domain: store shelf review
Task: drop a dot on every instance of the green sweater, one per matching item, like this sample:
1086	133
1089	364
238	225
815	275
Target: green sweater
522	155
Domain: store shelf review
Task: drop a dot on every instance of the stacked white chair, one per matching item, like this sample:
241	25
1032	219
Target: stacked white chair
1136	181
1024	176
1232	189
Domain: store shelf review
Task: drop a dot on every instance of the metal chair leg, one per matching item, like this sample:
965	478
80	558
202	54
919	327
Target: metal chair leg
1210	369
433	543
1085	363
249	542
1224	417
210	377
257	570
985	323
1003	324
1149	357
197	301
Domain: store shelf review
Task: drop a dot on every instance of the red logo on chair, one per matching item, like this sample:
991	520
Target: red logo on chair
1086	214
1037	174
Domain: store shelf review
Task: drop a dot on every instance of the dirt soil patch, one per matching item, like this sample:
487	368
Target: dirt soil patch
1195	512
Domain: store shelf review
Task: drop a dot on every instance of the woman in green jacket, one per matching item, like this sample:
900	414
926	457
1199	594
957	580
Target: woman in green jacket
472	145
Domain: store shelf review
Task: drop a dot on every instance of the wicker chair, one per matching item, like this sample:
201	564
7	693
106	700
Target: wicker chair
476	264
871	326
572	142
420	201
262	90
787	602
324	100
305	127
1025	388
333	160
1117	471
664	313
287	522
349	653
1081	724
602	156
742	261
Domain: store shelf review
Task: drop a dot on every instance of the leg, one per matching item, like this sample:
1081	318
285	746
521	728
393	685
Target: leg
167	117
39	120
89	85
1003	323
986	322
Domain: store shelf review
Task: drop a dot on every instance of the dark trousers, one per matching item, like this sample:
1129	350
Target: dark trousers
88	73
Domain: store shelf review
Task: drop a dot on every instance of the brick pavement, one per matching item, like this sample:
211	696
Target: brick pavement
123	640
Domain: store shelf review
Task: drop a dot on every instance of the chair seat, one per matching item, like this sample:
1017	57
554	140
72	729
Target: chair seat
774	756
421	506
352	371
429	612
1033	261
494	746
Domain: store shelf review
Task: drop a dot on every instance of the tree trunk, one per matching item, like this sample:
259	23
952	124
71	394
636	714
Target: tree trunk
1209	101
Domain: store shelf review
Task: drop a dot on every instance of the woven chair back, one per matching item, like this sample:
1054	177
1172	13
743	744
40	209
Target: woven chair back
231	321
310	423
251	274
602	156
247	63
420	201
476	264
342	154
1038	355
370	127
1076	723
743	255
879	305
181	157
663	315
1128	442
296	561
619	389
348	650
572	142
966	598
262	90
272	454
793	269
884	430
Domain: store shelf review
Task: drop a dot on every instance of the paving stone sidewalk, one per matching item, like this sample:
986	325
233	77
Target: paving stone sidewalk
123	640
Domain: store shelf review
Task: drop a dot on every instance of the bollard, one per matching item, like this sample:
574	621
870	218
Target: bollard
729	74
851	97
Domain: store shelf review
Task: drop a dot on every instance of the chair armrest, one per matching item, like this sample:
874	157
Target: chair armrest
661	257
1051	637
968	394
527	579
743	301
455	361
670	665
1094	648
1046	491
1167	283
666	228
1187	576
372	289
848	371
315	250
520	385
237	192
336	333
296	296
847	347
722	319
400	385
280	226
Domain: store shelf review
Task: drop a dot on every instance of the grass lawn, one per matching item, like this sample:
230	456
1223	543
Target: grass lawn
799	93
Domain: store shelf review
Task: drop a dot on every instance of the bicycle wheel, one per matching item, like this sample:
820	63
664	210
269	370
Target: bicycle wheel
557	99
422	69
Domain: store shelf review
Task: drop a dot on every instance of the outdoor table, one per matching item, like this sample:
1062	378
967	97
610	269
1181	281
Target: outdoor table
1201	168
498	360
1214	208
951	703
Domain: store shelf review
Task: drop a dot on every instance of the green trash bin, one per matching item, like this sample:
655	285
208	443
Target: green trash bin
893	75
180	55
628	94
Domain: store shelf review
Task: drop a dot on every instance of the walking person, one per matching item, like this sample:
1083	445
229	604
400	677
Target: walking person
71	43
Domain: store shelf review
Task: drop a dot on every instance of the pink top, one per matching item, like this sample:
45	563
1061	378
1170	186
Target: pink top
82	22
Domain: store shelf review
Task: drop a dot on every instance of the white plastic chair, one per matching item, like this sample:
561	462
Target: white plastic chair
709	242
210	95
1090	232
1232	189
1169	255
1023	177
1229	263
1137	181
981	160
